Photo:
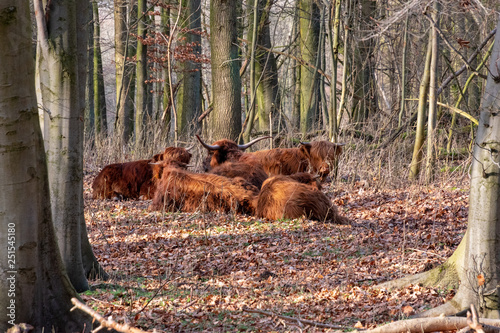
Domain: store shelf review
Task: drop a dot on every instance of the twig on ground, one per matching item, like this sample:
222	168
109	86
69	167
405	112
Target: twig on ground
298	321
104	323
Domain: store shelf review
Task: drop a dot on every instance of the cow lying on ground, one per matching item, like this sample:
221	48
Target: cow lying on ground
283	197
181	190
132	180
318	156
252	173
274	161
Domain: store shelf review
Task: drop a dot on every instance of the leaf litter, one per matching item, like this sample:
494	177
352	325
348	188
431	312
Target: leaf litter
188	272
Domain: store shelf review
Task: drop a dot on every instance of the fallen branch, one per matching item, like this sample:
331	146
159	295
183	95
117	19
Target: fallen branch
423	325
104	323
293	319
474	324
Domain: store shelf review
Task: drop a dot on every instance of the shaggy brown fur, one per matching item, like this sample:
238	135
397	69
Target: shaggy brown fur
280	161
274	161
188	192
133	180
308	179
252	173
283	197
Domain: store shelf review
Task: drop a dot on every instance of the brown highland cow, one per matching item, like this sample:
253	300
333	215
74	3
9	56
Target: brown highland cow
132	180
282	197
252	173
274	161
322	156
181	190
318	157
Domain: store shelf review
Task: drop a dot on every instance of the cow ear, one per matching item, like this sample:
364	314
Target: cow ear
305	147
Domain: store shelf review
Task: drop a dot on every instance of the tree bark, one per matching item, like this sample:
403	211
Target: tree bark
226	83
416	160
189	95
141	89
124	122
100	119
334	38
432	119
265	76
34	284
309	38
477	259
62	47
363	65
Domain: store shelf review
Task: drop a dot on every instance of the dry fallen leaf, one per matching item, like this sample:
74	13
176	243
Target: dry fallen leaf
480	279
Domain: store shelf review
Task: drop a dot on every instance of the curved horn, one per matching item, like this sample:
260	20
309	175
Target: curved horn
246	145
305	143
339	144
209	147
189	148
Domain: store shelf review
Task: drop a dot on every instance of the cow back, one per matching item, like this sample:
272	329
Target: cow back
282	197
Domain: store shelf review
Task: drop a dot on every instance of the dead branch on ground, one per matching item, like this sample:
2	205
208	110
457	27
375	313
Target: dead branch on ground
299	321
105	323
425	325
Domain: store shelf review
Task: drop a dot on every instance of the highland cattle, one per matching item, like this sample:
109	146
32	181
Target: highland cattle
282	197
133	180
181	190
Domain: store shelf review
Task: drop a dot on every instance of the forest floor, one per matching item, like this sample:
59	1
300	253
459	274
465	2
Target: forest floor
202	272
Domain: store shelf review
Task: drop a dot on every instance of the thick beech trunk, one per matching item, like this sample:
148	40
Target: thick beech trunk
33	282
62	51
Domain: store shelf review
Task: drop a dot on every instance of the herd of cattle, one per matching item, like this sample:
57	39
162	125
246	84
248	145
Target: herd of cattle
272	184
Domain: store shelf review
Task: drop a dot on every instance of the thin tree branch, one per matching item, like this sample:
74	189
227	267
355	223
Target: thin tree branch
293	319
104	323
464	67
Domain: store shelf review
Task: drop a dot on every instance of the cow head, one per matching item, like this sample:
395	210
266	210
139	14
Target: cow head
224	150
174	153
322	155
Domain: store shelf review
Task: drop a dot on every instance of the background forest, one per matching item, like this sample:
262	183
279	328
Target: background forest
159	75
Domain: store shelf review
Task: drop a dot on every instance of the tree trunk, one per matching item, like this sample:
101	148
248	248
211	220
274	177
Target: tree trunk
431	123
189	94
124	122
334	37
403	72
91	266
308	39
416	160
482	258
226	83
89	131
99	93
166	112
476	261
34	286
141	90
63	96
295	117
363	65
265	76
